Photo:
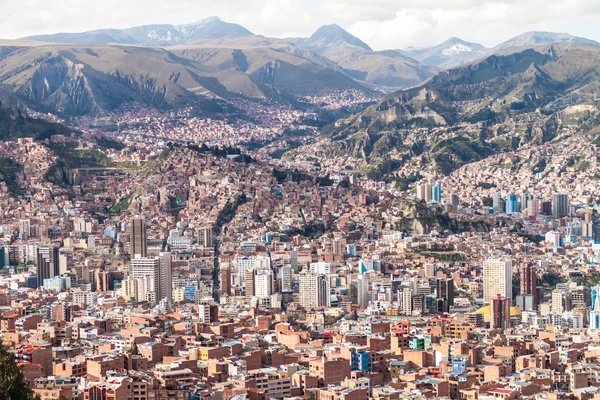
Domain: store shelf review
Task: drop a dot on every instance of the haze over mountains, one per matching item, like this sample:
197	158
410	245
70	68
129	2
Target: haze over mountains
152	35
170	65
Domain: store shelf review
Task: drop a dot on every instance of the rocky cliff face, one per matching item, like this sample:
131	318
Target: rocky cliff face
61	84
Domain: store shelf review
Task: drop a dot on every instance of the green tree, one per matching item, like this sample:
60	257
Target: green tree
12	381
134	349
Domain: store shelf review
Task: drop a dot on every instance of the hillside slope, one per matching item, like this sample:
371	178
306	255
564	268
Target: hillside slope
90	80
462	115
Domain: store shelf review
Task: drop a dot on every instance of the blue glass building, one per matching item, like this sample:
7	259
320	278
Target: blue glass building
436	193
512	204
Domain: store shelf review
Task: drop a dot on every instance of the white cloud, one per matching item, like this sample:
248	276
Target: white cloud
381	23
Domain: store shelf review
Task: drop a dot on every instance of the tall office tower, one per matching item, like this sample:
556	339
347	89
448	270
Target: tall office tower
360	291
587	230
263	283
497	279
512	204
562	301
146	267
138	237
497	202
205	236
534	207
225	280
421	192
24	229
48	265
500	312
560	205
249	280
320	268
287	280
454	200
424	192
405	301
594	294
155	275
436	193
427	192
595	311
315	290
294	260
339	247
100	280
445	291
527	200
529	282
546	207
165	277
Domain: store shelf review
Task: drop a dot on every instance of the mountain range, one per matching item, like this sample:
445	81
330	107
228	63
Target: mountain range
449	54
151	35
467	113
166	66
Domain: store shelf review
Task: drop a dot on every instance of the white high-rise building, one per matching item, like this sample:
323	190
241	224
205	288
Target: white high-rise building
320	268
263	283
251	263
424	192
362	291
553	238
154	275
204	313
497	279
315	290
405	301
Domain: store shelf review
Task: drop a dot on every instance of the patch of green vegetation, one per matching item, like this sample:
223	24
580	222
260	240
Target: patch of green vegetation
277	154
582	166
82	158
540	166
404	182
486	185
14	123
550	280
458	151
95	191
483	115
383	170
107	143
517	105
228	212
446	257
9	169
121	206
